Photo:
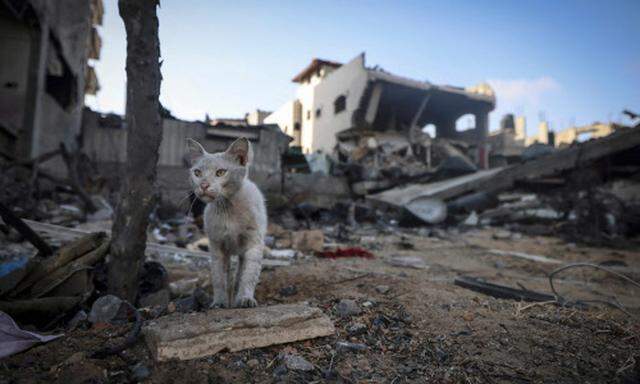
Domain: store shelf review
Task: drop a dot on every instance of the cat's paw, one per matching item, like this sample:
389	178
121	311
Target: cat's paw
246	302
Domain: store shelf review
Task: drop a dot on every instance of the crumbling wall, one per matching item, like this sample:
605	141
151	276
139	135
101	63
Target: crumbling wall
350	81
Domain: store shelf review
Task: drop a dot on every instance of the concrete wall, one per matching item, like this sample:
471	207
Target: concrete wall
317	133
59	34
104	141
349	80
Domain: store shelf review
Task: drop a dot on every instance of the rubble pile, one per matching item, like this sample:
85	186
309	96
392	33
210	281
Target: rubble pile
377	161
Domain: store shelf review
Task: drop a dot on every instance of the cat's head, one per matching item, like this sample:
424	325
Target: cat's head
219	175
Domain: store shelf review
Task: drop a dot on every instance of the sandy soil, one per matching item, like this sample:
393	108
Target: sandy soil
423	329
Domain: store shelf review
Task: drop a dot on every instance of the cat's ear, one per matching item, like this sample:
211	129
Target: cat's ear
194	151
240	151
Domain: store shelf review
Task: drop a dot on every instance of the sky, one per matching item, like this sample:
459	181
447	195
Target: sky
569	62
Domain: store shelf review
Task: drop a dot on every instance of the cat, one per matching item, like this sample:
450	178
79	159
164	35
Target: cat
235	219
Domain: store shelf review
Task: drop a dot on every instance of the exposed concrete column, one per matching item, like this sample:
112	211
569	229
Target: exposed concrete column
374	102
482	131
28	143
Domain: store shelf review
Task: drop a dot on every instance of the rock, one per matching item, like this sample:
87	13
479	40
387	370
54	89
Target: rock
356	329
472	220
407	262
369	303
183	287
156	299
193	335
383	289
253	363
280	370
108	309
308	241
269	241
75	358
286	254
347	307
502	235
77	319
202	298
297	363
350	347
287	291
139	372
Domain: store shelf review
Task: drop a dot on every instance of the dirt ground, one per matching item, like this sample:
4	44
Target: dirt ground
423	329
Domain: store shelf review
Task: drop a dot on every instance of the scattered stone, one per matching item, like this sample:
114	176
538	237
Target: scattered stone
345	346
472	220
202	298
75	358
77	319
308	241
286	254
280	370
156	299
369	303
356	329
347	307
289	290
383	289
502	235
183	287
407	262
108	309
139	372
253	363
297	363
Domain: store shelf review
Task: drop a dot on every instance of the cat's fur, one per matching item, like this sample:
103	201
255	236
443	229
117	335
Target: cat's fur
235	220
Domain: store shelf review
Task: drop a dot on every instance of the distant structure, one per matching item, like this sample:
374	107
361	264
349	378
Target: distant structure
521	129
335	100
45	74
595	130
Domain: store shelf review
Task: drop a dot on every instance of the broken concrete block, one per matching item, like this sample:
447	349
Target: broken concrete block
108	309
194	335
407	262
155	299
312	240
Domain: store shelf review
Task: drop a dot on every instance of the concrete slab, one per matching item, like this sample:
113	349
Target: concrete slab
194	335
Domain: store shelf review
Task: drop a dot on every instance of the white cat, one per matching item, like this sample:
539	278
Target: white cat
235	219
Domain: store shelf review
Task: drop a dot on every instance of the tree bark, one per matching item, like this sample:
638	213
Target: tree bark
144	133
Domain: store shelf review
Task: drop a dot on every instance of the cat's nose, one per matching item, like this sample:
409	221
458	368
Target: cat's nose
204	185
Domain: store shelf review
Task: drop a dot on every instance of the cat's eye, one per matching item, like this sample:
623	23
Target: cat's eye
221	172
197	172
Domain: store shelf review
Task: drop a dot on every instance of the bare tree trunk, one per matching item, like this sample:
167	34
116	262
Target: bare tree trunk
138	194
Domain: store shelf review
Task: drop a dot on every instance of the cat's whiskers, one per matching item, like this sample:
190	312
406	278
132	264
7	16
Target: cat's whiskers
191	206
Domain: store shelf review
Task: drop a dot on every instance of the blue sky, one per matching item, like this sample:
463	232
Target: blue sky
572	61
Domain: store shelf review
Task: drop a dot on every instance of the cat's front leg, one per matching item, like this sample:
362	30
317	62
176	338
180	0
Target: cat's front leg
249	277
219	278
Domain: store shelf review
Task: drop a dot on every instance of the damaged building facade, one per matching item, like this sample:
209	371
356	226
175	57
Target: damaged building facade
45	48
104	142
335	101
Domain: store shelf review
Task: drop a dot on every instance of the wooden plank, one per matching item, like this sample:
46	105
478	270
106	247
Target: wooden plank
166	252
194	335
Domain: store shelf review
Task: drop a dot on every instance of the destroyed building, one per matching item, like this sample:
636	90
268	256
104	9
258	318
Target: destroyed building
104	141
334	101
45	73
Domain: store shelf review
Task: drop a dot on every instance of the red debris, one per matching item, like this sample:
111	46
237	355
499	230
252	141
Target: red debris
346	252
